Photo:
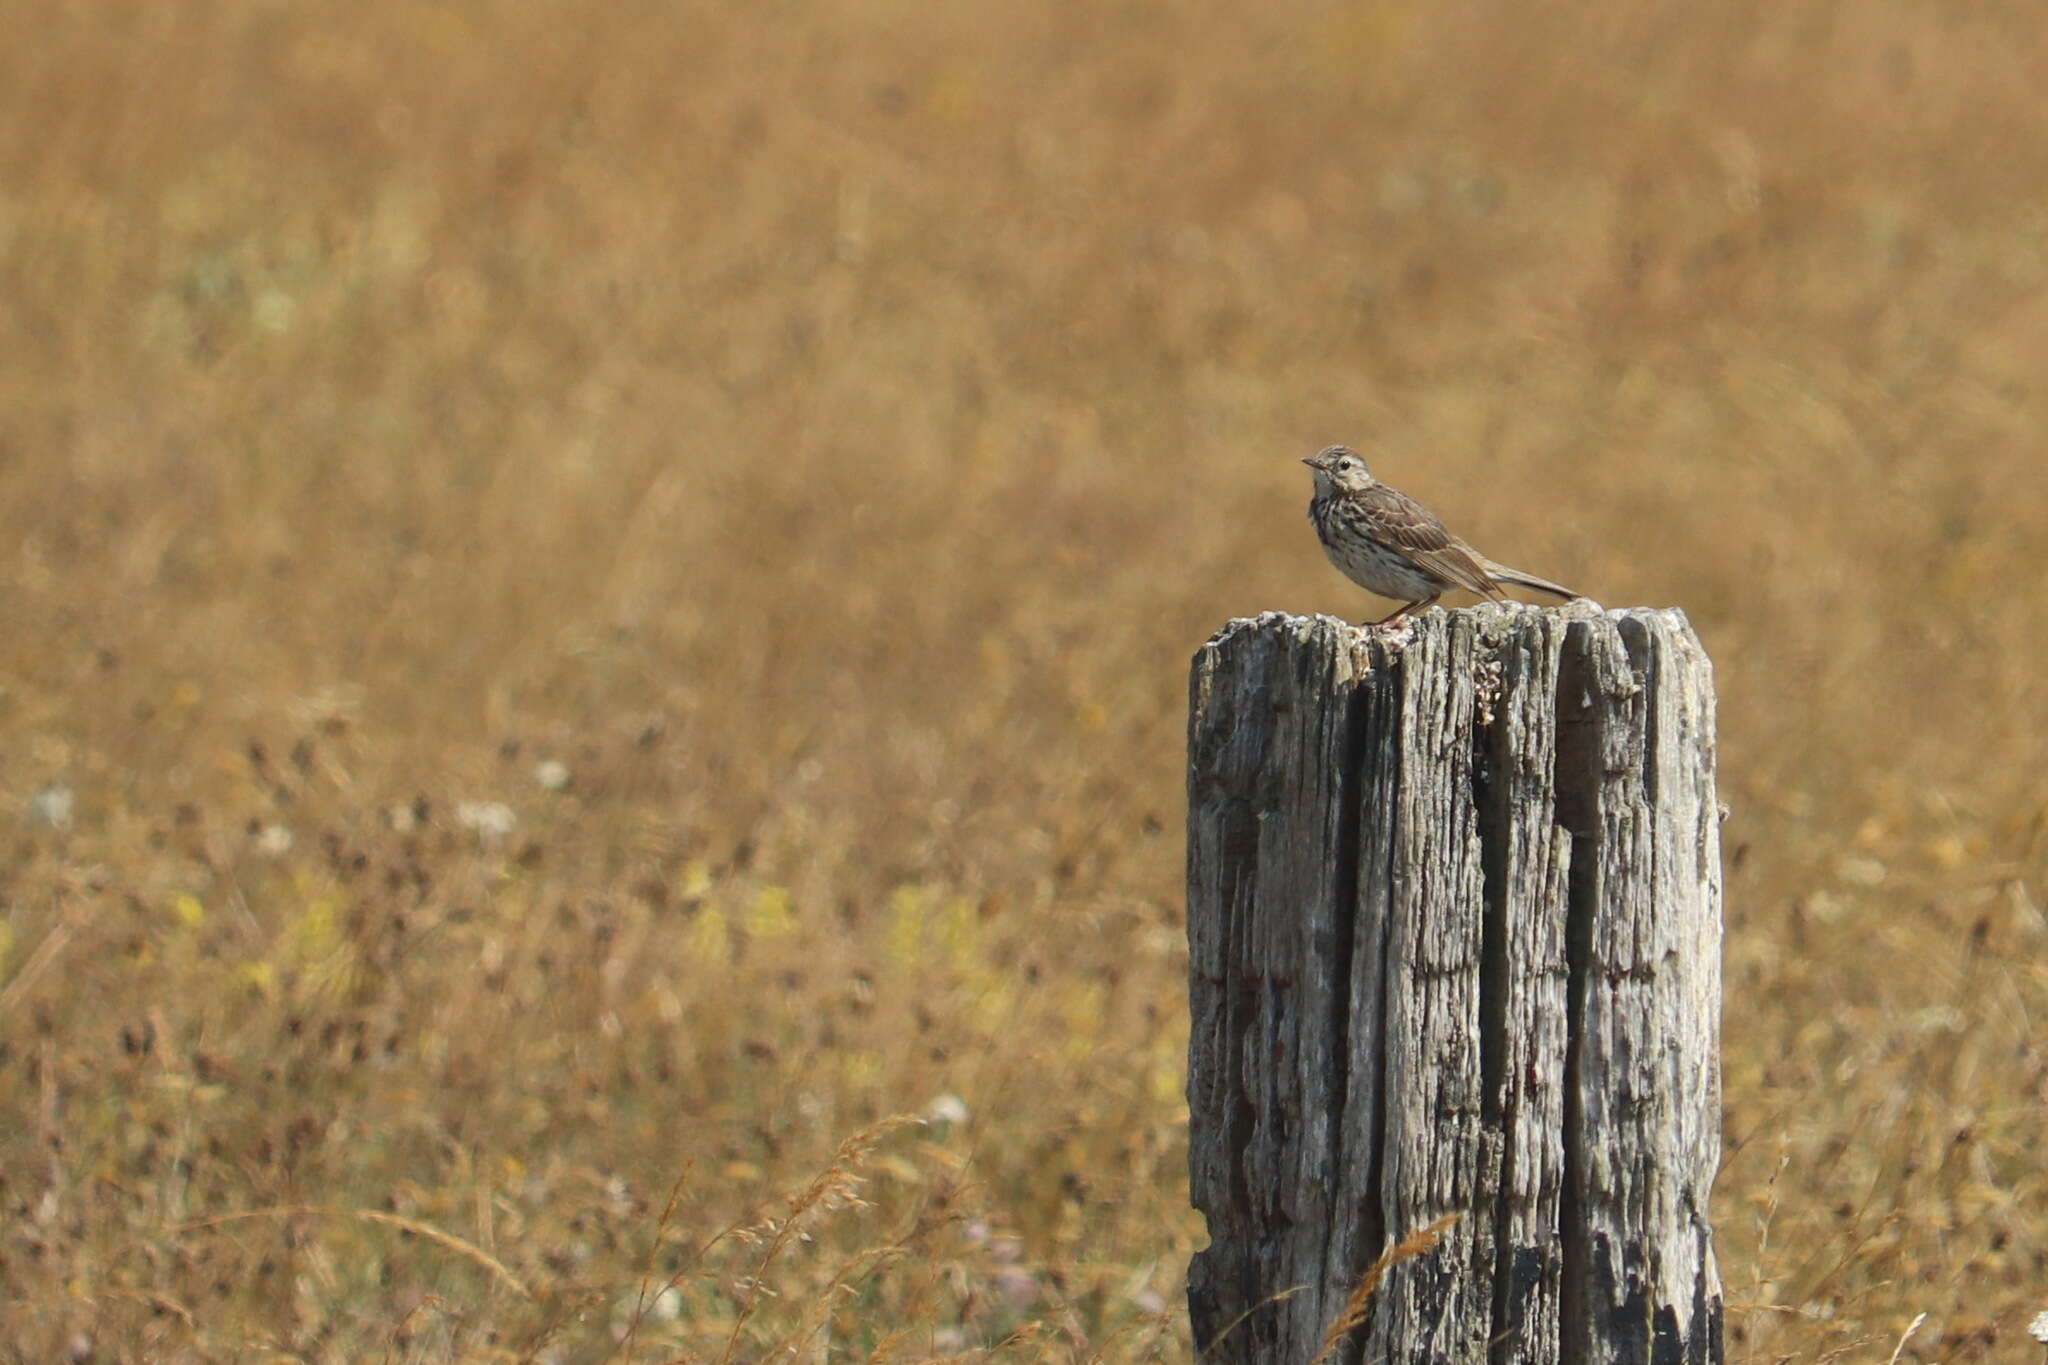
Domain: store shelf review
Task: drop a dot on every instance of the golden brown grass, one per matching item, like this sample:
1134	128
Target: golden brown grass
1358	1303
824	430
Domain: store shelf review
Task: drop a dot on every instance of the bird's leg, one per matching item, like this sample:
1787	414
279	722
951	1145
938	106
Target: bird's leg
1403	613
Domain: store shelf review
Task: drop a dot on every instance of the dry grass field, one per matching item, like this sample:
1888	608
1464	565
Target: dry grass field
596	604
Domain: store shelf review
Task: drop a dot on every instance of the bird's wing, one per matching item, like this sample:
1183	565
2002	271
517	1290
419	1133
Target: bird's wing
1415	529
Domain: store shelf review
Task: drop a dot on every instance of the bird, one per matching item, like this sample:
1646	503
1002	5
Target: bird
1391	545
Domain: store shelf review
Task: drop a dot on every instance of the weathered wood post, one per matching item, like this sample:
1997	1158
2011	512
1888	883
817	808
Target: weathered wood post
1454	913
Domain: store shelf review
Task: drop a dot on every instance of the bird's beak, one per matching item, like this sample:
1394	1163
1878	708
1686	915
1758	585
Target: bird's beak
1314	461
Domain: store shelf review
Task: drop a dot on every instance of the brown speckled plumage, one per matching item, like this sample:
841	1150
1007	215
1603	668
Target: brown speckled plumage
1391	545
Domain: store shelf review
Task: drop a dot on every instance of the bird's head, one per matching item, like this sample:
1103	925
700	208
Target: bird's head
1339	470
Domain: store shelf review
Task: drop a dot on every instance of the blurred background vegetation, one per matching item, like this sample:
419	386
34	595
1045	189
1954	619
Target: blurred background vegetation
596	602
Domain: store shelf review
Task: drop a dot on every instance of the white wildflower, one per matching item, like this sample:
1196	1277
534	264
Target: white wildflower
52	805
489	819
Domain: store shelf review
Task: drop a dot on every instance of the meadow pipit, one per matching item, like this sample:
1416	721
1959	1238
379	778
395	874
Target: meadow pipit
1389	544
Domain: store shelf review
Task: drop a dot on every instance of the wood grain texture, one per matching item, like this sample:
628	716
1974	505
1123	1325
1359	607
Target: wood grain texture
1454	920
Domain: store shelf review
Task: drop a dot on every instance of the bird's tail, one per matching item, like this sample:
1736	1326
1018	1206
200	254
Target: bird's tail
1528	580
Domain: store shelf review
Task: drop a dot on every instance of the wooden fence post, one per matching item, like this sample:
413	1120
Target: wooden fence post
1454	916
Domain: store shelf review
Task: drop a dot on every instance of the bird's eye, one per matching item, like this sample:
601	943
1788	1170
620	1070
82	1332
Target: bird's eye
1347	464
